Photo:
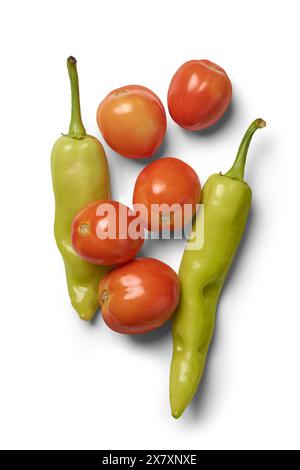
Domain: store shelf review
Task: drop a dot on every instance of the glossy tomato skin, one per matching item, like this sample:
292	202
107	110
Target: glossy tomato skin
167	181
132	120
88	224
199	94
139	296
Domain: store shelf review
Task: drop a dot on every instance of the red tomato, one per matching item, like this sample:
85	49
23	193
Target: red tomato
168	181
133	121
104	233
139	296
199	94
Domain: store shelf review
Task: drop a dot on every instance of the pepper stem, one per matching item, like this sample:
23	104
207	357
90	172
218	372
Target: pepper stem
238	168
76	129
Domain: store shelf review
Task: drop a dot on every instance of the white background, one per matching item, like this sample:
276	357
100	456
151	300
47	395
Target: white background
69	384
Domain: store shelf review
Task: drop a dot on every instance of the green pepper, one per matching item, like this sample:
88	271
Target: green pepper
80	175
226	202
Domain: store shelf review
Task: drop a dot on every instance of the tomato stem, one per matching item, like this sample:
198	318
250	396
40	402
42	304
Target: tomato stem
238	168
76	129
104	297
